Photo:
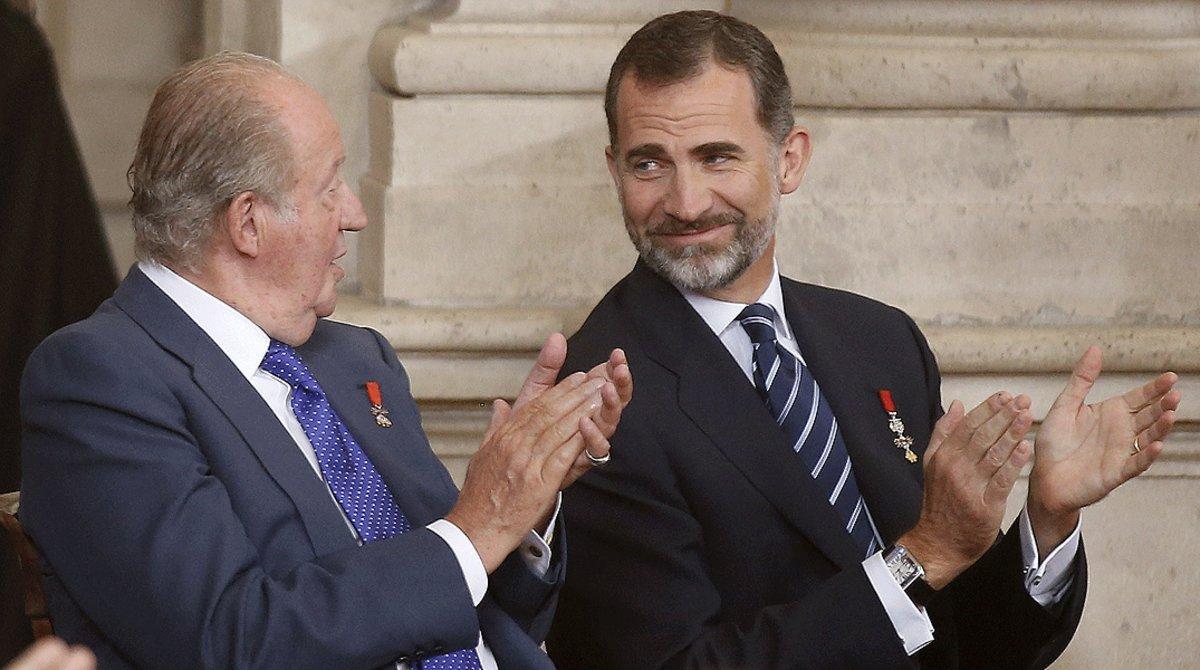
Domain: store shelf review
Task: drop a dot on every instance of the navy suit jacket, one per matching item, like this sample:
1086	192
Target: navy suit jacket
705	543
181	527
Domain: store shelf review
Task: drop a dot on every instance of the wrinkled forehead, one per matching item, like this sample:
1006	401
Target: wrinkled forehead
716	103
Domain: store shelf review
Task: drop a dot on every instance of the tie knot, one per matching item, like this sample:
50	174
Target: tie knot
759	321
284	362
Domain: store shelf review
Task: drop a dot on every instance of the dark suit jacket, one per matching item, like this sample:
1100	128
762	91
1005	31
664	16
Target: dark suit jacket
704	542
181	527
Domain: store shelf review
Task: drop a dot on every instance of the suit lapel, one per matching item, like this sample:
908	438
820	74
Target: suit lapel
397	452
889	483
715	394
220	380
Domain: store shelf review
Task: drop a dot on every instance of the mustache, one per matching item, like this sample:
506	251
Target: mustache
670	225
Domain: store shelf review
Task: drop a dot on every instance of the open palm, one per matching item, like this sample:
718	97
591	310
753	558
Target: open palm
1085	451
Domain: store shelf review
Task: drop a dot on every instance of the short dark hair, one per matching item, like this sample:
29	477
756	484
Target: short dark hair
676	47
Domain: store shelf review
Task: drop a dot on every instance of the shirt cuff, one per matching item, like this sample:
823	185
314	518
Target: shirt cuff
468	559
912	624
1048	580
535	549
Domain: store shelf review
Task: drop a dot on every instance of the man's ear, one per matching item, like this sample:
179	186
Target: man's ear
244	222
794	153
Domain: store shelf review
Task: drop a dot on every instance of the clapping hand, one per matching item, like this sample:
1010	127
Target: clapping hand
537	447
1083	452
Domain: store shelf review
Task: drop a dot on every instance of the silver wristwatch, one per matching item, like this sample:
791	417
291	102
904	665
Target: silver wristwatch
909	574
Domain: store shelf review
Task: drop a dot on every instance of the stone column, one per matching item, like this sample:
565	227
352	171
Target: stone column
1018	176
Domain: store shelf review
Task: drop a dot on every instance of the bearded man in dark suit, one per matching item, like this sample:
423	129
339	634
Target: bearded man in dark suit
785	490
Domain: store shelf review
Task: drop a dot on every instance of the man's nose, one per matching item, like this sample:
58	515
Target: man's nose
353	216
688	197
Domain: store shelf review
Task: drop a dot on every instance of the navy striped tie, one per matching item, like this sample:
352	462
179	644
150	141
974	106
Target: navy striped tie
792	395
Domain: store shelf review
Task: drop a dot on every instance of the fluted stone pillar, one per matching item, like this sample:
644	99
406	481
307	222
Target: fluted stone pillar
1019	176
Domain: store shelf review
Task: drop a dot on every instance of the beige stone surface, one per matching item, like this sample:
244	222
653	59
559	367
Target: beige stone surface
1097	19
959	218
110	56
1142	580
566	11
903	70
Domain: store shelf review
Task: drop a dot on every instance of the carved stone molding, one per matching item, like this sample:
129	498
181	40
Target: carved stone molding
828	69
966	349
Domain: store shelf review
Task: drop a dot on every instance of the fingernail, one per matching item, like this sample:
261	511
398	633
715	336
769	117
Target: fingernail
577	377
596	384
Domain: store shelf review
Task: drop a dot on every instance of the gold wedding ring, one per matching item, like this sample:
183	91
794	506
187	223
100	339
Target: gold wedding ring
1136	447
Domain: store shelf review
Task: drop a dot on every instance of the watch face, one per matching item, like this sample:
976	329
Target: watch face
902	567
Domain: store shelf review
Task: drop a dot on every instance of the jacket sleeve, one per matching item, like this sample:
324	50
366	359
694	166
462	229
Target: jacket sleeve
129	516
996	622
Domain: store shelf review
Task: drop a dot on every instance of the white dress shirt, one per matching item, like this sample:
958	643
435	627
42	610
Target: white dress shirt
246	344
1047	581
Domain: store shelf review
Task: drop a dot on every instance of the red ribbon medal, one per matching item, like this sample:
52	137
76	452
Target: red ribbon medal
377	409
896	425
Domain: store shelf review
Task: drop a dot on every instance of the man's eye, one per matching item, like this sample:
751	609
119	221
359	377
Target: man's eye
645	166
716	159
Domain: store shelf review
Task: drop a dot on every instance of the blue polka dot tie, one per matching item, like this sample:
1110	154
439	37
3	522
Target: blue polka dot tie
807	421
356	484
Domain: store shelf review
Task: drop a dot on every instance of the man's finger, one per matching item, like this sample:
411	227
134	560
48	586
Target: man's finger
47	654
1159	430
943	428
1083	377
1138	463
994	428
997	455
622	378
571	454
545	370
81	658
500	412
610	411
976	418
560	420
1146	416
1150	391
1001	484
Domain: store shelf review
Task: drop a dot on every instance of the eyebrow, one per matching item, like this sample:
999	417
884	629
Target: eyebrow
648	150
711	148
652	150
337	165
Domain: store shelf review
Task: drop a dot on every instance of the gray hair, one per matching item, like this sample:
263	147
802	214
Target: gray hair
210	134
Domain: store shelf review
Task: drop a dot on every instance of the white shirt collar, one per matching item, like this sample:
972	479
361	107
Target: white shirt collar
720	315
237	336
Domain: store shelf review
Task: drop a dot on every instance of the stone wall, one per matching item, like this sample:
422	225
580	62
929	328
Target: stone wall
110	56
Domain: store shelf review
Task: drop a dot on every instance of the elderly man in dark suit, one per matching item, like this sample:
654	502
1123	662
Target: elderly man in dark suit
785	491
219	477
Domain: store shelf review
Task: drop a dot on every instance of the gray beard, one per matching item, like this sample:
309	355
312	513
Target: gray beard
700	268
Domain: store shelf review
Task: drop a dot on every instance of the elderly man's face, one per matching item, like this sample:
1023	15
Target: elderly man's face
300	259
698	176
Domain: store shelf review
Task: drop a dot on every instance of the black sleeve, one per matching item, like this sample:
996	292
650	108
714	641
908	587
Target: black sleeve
993	620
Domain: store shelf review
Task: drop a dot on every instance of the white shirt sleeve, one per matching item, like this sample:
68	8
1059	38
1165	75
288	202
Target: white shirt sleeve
468	559
535	549
912	624
1048	580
